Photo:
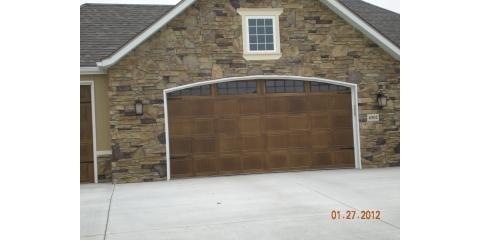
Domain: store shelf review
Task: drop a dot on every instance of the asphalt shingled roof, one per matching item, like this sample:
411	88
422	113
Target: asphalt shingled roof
105	28
384	21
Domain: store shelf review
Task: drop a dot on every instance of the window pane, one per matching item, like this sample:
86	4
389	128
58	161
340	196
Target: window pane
253	39
222	91
238	87
252	30
269	47
260	22
270	83
241	84
289	83
268	22
269	38
269	30
253	47
261	38
260	30
261	47
222	85
252	22
231	84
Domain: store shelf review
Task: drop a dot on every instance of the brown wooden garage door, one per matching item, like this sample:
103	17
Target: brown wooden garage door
260	126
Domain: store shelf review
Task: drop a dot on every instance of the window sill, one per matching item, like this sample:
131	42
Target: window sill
259	57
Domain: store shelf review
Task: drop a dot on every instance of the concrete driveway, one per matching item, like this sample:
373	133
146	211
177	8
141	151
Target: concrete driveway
295	205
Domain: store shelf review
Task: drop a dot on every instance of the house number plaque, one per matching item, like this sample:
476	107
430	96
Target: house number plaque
373	117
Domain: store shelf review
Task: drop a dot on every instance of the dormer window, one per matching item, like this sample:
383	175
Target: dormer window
261	33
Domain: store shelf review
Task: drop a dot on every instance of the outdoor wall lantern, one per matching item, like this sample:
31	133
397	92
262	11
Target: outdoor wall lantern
381	100
139	107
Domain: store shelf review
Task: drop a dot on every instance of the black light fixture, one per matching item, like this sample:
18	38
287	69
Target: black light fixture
381	100
138	107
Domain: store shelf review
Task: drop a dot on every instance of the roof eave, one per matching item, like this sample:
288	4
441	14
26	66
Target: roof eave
363	27
91	71
119	54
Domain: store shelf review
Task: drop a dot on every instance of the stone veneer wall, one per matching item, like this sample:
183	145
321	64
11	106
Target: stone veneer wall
104	168
205	42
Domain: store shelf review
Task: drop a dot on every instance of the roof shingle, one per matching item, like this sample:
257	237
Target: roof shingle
104	28
384	21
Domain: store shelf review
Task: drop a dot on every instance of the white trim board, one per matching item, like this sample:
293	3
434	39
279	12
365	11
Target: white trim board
352	86
334	5
91	71
94	129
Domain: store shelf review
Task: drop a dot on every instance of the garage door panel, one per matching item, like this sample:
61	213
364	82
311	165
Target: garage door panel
275	123
321	159
180	108
180	127
228	144
181	145
226	126
321	121
230	163
277	160
342	120
203	126
204	145
344	158
299	139
226	107
252	143
250	125
181	166
343	137
297	104
321	138
205	165
253	162
277	141
298	122
252	106
300	159
320	102
277	105
342	101
202	107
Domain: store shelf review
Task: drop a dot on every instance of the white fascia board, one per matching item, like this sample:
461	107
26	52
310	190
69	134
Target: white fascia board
139	39
91	71
363	27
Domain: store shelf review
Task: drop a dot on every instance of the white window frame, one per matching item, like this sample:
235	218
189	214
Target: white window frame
274	35
261	13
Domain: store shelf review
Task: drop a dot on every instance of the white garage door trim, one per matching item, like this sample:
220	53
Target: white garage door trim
352	86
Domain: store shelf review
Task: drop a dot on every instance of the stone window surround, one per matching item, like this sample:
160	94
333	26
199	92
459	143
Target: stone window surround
247	13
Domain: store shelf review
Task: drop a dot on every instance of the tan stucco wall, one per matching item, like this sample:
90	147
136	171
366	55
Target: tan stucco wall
101	110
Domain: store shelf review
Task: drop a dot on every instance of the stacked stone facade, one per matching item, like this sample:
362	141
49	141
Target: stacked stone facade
205	43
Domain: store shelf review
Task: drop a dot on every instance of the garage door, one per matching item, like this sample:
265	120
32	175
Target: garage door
259	126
